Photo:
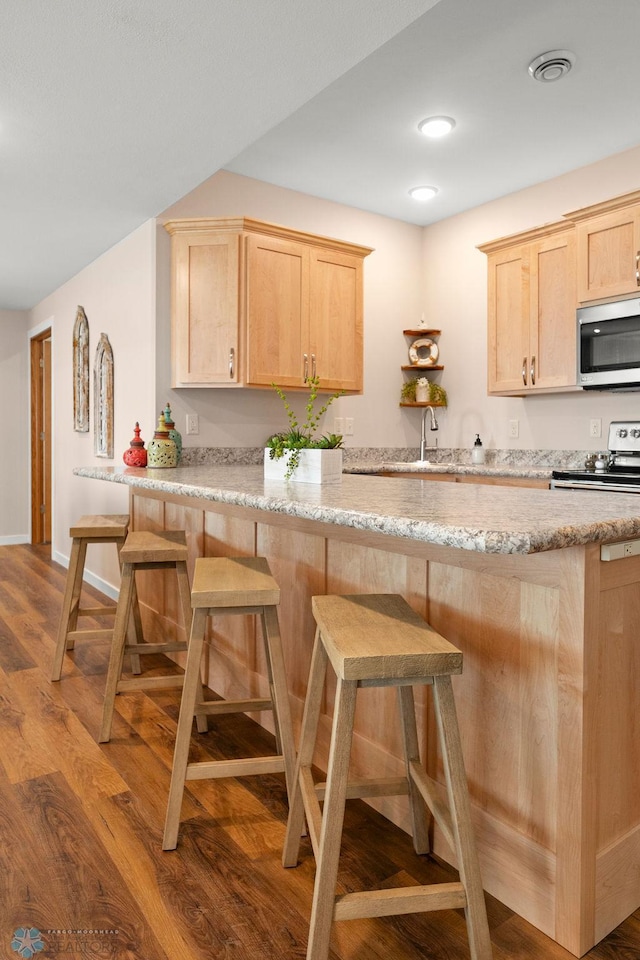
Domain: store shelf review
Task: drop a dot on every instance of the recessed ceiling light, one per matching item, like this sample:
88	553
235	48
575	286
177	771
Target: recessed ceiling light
423	193
552	65
436	126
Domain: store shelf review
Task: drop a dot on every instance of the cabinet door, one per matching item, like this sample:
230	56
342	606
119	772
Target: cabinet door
608	248
508	321
205	311
552	350
277	310
336	324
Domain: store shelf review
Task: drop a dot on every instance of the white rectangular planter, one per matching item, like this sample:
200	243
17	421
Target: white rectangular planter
315	466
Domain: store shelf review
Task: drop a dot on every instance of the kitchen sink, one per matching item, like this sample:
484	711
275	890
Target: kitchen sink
432	464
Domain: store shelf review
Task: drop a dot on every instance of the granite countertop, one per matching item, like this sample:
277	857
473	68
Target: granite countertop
486	519
462	469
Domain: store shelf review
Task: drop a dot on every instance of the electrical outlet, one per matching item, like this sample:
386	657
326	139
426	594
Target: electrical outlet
514	429
348	426
595	428
338	425
618	551
193	425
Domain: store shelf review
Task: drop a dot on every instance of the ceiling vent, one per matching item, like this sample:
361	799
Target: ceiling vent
551	66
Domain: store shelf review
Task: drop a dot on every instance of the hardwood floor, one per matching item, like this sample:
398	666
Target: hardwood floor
81	826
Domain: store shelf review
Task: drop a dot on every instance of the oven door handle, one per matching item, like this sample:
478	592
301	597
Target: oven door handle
594	485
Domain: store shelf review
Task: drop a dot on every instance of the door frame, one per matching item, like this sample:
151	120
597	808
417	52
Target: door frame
41	431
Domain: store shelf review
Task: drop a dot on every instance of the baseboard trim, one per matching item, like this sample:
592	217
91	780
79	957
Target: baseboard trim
91	578
16	538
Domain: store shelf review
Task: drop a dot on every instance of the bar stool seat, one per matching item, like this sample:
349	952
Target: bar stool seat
375	641
146	550
222	586
92	528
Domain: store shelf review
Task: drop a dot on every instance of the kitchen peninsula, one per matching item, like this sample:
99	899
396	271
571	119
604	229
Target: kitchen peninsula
548	700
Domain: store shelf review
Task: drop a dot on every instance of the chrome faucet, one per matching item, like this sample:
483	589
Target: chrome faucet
423	431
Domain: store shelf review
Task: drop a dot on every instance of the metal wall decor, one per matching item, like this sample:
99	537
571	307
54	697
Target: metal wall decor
81	372
103	399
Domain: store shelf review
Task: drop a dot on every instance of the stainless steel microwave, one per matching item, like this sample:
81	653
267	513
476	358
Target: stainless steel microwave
609	346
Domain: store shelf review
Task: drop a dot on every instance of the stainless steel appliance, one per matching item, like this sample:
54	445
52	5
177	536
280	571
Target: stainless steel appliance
616	470
609	346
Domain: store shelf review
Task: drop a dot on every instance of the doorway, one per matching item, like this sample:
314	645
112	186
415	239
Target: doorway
41	437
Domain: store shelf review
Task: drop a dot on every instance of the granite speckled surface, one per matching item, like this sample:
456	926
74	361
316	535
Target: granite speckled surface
462	469
487	519
516	463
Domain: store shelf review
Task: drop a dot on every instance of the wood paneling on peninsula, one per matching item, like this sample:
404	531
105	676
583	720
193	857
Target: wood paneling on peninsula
550	669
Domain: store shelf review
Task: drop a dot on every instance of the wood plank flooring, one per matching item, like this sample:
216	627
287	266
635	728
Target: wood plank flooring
81	826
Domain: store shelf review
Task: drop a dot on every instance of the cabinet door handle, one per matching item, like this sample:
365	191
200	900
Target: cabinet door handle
533	371
524	370
231	359
638	269
313	364
306	367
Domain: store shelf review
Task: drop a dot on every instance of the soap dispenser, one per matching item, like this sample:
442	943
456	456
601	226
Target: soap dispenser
477	452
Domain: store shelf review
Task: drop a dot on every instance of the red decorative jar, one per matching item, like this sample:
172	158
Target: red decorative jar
136	455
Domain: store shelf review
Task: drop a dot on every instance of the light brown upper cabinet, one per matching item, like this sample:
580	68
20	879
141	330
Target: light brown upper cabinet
254	303
532	311
608	248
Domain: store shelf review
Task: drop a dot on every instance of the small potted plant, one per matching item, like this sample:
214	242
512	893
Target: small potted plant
296	453
436	394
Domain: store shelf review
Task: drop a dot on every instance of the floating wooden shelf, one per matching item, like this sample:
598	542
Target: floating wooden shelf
425	367
414	403
422	332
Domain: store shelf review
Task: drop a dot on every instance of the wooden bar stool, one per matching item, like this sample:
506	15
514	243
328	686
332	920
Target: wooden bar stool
109	528
224	586
145	550
376	641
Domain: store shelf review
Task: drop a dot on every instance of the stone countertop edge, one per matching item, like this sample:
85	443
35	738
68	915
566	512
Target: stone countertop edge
480	518
463	469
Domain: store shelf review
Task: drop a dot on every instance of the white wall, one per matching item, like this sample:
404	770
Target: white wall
117	292
232	417
15	485
455	297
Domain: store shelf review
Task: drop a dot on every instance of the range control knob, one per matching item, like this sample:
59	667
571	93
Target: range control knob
622	432
635	433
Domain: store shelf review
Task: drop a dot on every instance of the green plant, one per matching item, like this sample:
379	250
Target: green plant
437	394
408	392
301	436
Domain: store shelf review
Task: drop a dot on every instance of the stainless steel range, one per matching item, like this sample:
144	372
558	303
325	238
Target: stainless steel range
616	470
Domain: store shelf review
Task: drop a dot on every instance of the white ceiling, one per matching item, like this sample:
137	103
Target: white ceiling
111	111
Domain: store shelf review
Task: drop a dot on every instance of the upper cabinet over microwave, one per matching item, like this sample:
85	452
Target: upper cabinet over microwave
608	248
255	303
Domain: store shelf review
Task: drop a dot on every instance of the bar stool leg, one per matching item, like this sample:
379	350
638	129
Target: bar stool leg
310	720
192	685
419	813
184	591
70	603
278	692
134	630
457	789
78	570
123	612
332	821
